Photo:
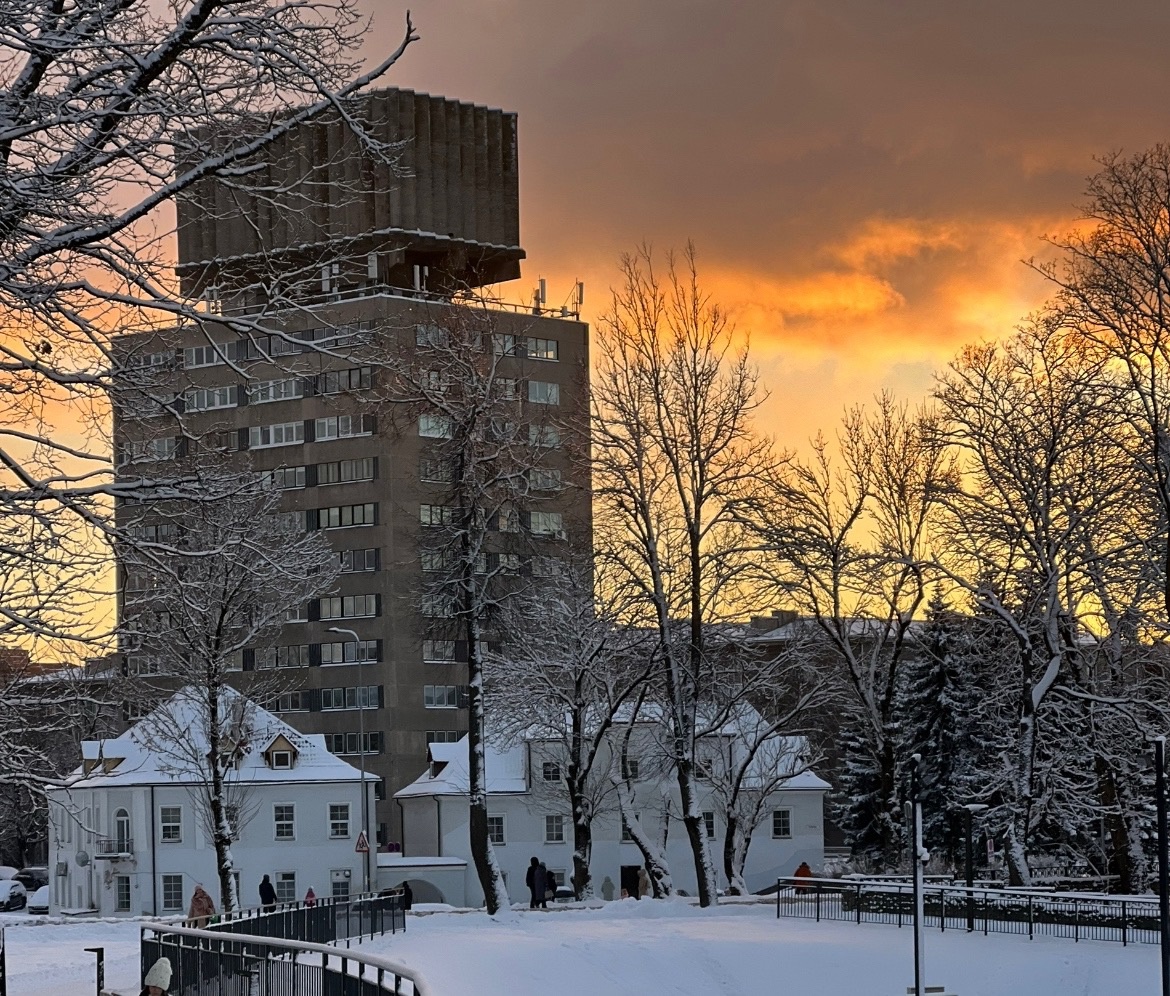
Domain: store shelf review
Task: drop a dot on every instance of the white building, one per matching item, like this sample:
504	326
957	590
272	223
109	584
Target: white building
128	836
528	813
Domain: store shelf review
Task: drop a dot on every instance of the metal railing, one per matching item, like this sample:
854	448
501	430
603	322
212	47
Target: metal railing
218	963
3	966
992	911
323	921
107	847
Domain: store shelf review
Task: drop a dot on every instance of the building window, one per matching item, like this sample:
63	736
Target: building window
340	888
339	427
338	381
342	516
551	771
439	651
203	356
543	349
295	701
349	606
284	820
441	696
281	760
443	737
345	471
544	437
284	478
295	655
357	561
554	829
172	892
435	470
547	567
709	825
782	823
434	426
286	887
437	605
496	829
206	398
264	391
170	821
558	876
349	698
543	392
361	652
354	743
544	480
546	523
629	767
122	893
436	515
430	336
278	434
339	819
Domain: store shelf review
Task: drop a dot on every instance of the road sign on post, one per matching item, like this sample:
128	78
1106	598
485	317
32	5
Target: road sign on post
363	844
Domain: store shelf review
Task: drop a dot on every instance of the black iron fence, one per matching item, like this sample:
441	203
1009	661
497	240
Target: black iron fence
323	922
228	963
995	911
3	967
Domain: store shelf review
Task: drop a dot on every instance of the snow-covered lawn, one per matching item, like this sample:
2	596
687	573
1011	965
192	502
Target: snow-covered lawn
667	949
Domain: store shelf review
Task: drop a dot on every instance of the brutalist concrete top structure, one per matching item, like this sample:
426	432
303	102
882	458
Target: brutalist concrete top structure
442	194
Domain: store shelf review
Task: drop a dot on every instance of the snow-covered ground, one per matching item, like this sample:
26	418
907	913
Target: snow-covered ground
669	949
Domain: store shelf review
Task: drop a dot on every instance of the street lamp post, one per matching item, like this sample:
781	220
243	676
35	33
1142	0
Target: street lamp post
917	853
361	753
972	808
1163	861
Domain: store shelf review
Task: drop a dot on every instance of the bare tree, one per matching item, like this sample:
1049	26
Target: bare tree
207	588
676	465
849	544
566	671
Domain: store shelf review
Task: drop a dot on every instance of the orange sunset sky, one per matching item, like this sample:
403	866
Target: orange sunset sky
862	177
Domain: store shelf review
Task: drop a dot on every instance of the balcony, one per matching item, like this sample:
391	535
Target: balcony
113	848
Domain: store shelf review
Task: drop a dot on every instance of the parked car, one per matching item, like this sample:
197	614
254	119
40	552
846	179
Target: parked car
38	902
564	894
7	871
33	877
12	895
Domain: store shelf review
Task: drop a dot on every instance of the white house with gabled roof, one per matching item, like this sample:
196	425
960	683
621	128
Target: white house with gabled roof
528	816
128	836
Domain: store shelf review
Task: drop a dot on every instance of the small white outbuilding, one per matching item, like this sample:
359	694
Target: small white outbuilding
128	834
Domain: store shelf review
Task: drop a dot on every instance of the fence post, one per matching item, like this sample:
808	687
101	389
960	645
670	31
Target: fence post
1124	924
818	894
3	969
942	895
777	906
1076	920
1029	916
859	902
986	904
101	968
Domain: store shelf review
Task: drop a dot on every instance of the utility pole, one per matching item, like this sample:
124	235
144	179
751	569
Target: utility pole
1163	861
357	652
918	853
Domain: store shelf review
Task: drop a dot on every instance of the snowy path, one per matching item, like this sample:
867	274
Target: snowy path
653	948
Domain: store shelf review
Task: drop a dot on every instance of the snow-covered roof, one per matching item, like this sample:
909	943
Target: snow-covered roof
150	753
447	773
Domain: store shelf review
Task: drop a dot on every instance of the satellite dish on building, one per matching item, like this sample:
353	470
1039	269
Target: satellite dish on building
82	859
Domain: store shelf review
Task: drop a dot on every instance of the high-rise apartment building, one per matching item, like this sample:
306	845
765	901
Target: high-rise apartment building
282	378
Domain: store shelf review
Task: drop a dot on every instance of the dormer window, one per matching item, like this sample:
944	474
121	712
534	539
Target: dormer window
281	760
280	755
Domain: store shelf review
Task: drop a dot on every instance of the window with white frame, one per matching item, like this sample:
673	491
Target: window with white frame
354	743
496	828
507	388
339	381
285	389
439	651
547	567
277	434
546	523
166	448
286	887
280	760
709	824
437	560
345	471
443	737
436	605
349	606
296	613
434	426
545	437
431	336
292	655
554	829
339	819
551	771
435	470
781	823
204	356
170	824
122	893
441	696
284	821
172	892
543	392
204	399
349	652
351	697
284	478
338	427
294	701
543	349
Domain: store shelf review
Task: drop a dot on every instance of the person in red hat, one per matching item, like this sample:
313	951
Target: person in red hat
310	897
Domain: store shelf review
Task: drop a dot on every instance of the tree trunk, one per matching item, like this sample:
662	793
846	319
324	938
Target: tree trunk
735	848
487	869
582	843
696	831
654	857
221	834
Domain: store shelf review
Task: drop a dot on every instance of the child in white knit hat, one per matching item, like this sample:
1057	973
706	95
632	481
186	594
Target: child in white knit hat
158	979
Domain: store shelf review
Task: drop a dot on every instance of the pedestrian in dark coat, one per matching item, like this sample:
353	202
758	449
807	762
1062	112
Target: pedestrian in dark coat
267	894
543	883
407	896
530	881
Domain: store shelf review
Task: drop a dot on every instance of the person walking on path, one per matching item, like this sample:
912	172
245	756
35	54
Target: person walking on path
407	896
202	908
158	979
267	895
803	872
543	884
645	889
530	881
310	897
